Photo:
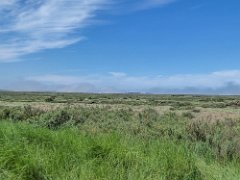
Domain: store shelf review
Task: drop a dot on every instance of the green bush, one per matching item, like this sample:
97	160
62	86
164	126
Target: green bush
50	99
188	115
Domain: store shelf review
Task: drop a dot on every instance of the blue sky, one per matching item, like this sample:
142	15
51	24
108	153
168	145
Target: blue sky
156	46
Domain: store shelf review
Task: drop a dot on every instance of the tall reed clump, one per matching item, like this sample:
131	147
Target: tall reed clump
222	137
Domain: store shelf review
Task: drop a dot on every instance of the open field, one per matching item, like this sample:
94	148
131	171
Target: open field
114	136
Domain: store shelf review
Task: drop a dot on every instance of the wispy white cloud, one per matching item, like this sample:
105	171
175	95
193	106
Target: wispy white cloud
30	26
215	82
118	74
130	6
4	3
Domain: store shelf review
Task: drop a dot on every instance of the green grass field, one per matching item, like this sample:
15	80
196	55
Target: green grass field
90	136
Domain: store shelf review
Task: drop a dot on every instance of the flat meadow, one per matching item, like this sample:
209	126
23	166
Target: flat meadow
119	136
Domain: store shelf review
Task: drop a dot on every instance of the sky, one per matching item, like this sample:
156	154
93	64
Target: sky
112	46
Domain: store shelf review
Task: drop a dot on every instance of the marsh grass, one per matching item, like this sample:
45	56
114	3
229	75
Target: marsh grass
118	137
27	152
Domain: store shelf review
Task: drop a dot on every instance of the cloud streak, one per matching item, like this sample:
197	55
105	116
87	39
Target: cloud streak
147	4
130	6
31	26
